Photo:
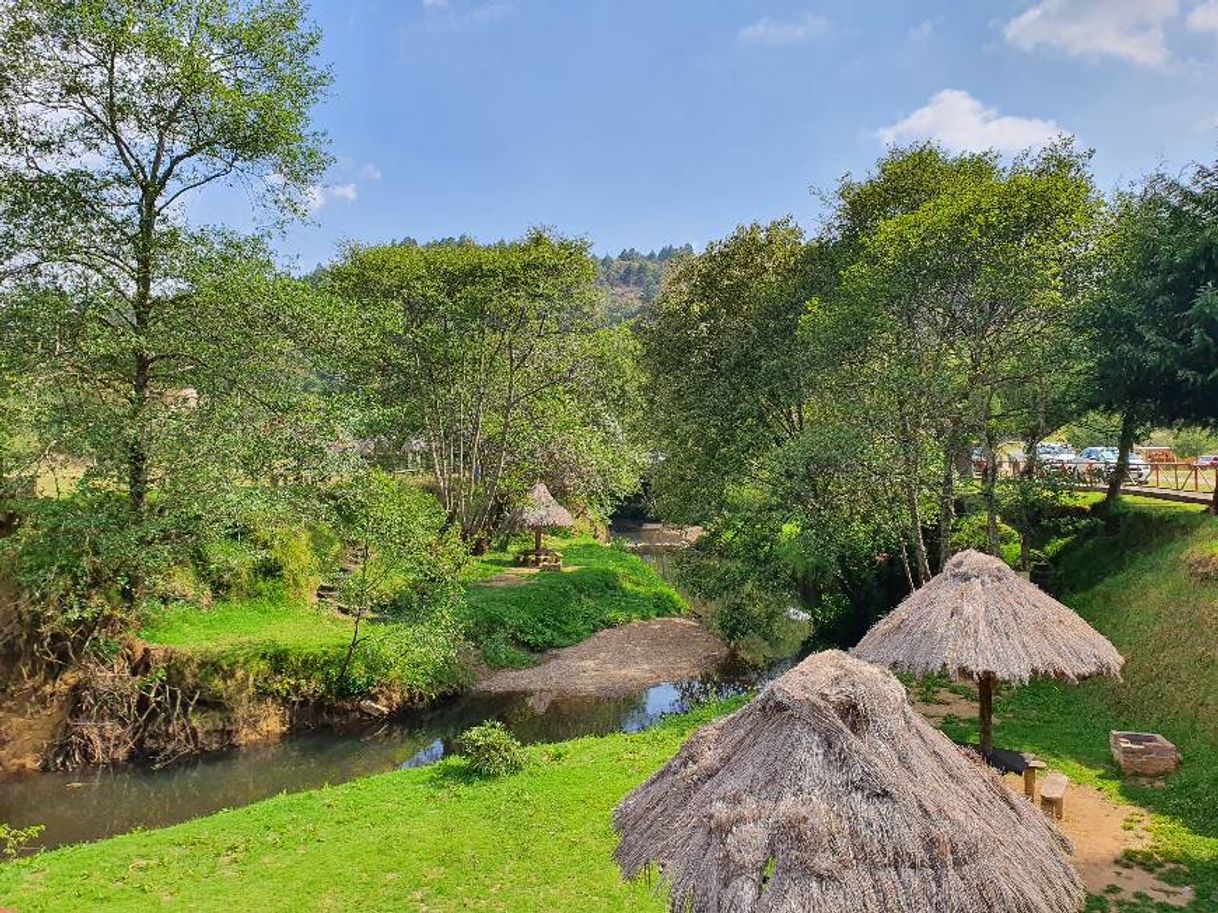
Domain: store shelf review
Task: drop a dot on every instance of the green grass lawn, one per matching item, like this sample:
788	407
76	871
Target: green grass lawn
276	646
232	623
603	586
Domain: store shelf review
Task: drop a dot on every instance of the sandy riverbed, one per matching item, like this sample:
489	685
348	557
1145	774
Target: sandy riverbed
617	662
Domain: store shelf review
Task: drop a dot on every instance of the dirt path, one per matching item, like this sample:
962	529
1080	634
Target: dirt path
1100	829
946	703
515	576
616	662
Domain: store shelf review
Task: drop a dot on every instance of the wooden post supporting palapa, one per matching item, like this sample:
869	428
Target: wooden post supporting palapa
537	547
985	688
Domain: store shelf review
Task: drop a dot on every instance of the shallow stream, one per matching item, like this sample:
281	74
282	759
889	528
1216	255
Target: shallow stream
100	802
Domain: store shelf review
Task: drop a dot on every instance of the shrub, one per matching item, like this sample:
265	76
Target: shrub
12	839
294	556
490	750
971	531
230	567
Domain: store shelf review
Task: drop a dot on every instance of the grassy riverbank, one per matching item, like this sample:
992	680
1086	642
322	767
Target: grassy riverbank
437	840
601	586
274	645
431	839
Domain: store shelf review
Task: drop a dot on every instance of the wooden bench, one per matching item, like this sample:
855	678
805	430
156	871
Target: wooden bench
1053	795
1012	762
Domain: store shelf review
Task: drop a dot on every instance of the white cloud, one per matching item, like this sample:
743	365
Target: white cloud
1131	30
444	13
370	172
922	33
318	195
1205	17
962	123
771	31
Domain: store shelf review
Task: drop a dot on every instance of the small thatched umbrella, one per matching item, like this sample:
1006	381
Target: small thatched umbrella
830	793
980	620
540	512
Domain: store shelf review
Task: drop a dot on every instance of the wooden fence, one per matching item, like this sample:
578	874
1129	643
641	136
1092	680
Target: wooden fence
1181	477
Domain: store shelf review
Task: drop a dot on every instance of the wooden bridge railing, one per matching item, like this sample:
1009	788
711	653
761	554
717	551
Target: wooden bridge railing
1181	477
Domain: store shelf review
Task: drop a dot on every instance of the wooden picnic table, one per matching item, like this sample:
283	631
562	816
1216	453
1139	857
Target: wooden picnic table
544	559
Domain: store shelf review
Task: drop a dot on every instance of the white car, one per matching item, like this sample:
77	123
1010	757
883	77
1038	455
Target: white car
1099	462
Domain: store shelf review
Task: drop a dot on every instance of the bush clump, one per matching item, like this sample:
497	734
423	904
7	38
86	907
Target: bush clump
1201	562
490	750
972	531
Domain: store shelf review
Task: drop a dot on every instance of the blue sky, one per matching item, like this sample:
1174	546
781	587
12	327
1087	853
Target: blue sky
646	122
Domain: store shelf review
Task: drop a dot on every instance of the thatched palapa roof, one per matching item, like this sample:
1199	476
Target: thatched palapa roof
979	616
541	511
830	793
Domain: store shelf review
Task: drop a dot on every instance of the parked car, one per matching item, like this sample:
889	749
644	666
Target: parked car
1054	456
1209	459
1099	463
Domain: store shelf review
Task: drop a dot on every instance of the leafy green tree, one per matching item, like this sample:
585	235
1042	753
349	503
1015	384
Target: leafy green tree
1154	320
725	382
758	431
498	360
148	336
399	562
958	301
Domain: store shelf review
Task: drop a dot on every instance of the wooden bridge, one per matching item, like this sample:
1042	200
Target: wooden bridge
1185	482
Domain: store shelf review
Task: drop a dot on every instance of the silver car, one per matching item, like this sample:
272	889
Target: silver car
1100	462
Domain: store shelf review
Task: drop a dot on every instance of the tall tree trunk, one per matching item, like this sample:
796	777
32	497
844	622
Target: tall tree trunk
908	570
990	494
989	490
361	607
913	473
141	375
137	453
1129	430
947	501
141	383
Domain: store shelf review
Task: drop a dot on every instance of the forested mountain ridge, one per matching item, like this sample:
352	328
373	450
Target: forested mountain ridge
632	279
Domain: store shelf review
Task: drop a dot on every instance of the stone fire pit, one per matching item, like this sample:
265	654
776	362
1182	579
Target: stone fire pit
1143	754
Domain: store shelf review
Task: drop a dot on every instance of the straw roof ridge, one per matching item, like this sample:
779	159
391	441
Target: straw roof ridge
541	510
829	793
978	616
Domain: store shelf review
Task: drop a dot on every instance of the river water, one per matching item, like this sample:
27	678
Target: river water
101	802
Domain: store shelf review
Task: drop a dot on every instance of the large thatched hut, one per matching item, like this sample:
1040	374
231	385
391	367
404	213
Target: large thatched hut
830	793
980	620
541	512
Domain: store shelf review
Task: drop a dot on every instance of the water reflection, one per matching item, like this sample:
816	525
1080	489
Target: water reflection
97	803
